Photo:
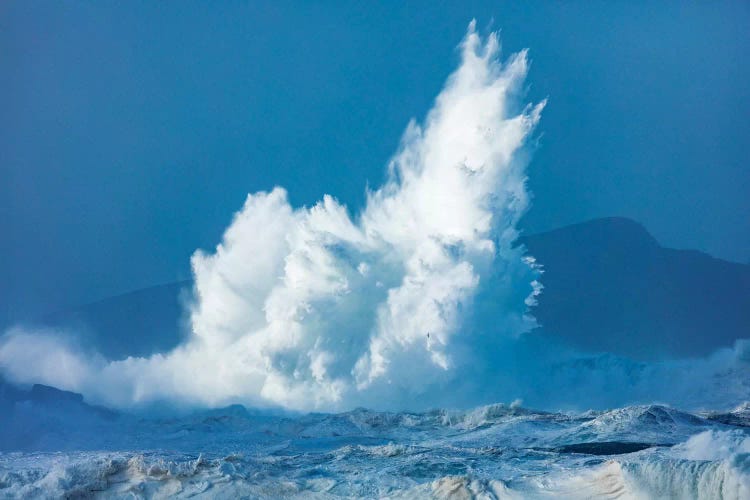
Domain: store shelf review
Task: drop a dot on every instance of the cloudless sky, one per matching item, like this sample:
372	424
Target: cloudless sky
130	132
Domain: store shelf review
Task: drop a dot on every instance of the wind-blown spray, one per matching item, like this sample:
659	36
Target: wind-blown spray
311	308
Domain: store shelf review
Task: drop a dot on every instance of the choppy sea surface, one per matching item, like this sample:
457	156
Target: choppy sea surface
494	451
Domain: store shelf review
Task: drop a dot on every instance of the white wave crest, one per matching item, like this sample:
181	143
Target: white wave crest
313	308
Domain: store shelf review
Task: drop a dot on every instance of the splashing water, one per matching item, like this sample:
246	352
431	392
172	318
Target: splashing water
311	308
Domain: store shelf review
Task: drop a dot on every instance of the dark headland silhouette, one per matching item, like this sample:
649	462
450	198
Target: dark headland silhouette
608	286
136	323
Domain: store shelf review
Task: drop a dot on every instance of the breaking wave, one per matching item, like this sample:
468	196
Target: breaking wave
313	308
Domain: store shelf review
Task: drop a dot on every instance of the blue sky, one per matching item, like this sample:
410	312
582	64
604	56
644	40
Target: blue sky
132	132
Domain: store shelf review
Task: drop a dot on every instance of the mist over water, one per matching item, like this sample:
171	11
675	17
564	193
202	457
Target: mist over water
313	308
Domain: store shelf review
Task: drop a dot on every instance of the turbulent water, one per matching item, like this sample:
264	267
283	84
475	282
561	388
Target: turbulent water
494	451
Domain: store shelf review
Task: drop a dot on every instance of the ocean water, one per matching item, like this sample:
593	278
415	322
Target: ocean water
494	451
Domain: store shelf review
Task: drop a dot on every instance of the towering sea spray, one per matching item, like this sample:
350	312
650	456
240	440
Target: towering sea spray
311	308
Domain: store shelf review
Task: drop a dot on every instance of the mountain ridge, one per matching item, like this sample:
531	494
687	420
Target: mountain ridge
610	286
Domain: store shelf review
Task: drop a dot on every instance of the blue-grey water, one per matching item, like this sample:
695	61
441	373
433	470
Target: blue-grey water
494	451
